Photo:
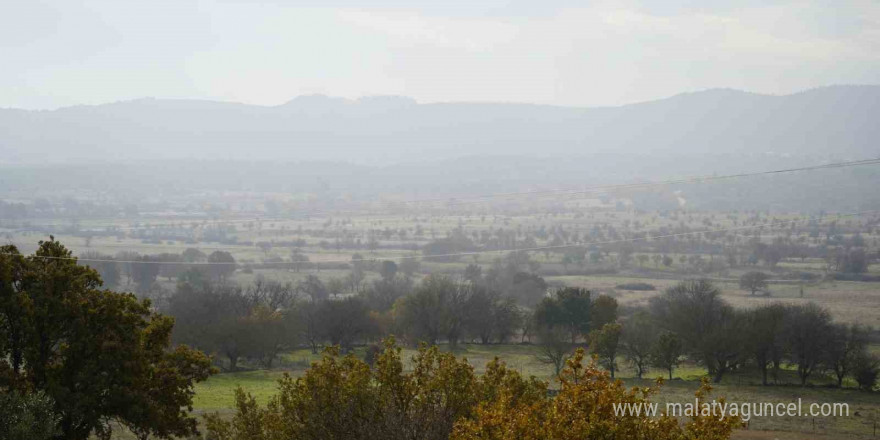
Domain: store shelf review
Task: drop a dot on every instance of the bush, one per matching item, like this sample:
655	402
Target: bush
583	409
635	286
440	397
342	398
866	371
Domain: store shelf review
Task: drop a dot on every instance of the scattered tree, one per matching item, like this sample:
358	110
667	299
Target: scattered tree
605	344
753	281
637	341
666	353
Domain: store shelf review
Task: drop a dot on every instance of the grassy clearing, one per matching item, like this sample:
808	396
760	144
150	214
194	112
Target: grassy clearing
218	392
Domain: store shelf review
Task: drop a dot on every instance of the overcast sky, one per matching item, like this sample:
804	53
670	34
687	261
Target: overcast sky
577	53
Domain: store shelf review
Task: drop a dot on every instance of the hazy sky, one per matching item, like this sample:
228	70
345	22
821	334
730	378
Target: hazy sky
584	53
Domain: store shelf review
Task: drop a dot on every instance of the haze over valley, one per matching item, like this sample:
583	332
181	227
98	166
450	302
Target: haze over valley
421	220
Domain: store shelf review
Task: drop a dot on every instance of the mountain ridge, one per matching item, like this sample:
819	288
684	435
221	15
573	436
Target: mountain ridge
393	129
366	98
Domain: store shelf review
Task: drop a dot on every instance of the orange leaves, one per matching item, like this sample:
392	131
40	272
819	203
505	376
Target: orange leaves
582	410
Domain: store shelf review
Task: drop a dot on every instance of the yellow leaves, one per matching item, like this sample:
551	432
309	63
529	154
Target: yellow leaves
442	397
709	426
582	410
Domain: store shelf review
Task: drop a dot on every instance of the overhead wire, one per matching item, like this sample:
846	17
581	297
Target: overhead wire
450	202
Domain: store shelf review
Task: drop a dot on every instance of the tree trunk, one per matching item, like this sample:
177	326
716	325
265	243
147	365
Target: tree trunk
17	356
719	373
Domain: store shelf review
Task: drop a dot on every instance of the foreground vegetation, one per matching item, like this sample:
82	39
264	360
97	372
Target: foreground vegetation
64	342
217	394
442	398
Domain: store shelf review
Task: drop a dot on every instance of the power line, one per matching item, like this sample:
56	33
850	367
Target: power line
449	202
694	179
774	225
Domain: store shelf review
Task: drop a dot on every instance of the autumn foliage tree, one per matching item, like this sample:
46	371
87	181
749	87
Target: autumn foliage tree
343	398
583	410
440	397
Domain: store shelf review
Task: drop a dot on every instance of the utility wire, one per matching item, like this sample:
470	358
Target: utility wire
694	179
449	202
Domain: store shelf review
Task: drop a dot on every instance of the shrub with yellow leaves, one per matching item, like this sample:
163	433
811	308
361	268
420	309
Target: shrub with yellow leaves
584	410
441	398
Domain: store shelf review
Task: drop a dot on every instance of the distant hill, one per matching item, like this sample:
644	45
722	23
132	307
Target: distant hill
839	121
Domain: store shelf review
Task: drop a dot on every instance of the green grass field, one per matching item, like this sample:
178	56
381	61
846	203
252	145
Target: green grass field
218	392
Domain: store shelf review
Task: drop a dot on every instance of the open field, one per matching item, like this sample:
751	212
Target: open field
332	243
849	302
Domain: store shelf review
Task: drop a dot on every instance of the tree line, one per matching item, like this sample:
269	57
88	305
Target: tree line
688	322
725	339
691	322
